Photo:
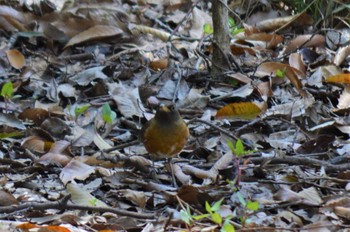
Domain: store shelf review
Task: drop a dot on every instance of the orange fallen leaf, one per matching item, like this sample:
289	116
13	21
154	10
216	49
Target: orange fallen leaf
15	58
342	78
241	110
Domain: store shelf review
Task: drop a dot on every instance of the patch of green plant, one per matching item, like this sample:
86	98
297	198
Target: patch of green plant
7	93
212	214
7	90
207	29
234	29
93	202
247	206
186	216
281	73
107	114
238	148
80	110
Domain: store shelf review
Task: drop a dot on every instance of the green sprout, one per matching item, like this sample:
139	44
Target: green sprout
238	149
281	73
107	114
7	93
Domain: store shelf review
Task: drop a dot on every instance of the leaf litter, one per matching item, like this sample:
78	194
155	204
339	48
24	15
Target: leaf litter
268	147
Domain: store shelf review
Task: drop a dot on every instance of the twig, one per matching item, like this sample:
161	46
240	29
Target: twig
304	161
229	134
60	206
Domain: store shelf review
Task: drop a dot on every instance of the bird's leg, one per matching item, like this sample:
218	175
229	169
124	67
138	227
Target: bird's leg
171	165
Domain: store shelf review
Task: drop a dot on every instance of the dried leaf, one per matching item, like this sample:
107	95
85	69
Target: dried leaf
241	110
15	58
94	33
342	78
314	40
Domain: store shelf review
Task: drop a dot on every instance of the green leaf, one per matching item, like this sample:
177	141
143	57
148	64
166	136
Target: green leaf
252	205
239	148
231	146
281	73
199	217
241	199
231	22
7	90
107	114
93	202
207	207
79	110
207	29
216	217
227	227
235	31
217	205
186	215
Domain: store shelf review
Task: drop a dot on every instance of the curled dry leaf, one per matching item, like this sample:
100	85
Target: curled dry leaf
241	110
16	58
36	144
341	55
271	68
314	40
194	171
296	62
271	40
283	22
180	175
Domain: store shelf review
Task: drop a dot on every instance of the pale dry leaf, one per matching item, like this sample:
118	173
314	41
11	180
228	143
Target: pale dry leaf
75	170
194	171
86	76
344	99
137	197
296	62
180	175
341	55
80	196
94	33
314	40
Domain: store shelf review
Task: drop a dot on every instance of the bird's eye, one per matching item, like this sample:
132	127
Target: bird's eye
172	107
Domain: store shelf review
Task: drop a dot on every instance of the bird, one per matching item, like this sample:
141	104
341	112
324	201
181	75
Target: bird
165	135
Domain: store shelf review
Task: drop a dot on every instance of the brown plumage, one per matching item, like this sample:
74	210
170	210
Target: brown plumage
165	135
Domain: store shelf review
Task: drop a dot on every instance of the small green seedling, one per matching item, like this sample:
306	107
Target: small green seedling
247	205
93	202
7	90
234	29
7	93
281	73
238	149
207	29
107	114
80	110
186	216
213	214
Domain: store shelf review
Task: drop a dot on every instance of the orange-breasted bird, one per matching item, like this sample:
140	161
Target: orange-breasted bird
165	135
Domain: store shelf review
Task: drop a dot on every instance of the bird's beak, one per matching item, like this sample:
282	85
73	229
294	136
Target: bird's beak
164	108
